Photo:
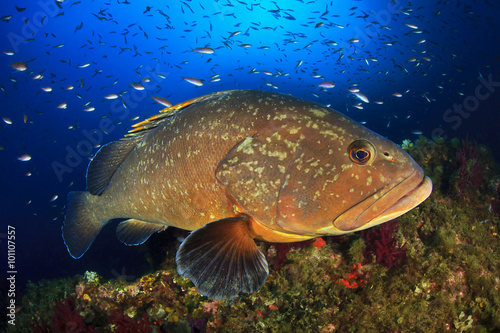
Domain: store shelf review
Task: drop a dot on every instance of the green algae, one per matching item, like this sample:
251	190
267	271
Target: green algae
356	250
449	282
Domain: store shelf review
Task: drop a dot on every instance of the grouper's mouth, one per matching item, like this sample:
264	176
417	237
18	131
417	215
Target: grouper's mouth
386	204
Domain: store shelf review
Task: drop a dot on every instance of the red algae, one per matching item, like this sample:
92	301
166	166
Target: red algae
381	242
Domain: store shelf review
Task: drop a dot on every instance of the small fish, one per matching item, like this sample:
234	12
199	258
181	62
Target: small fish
327	85
84	65
89	109
396	94
204	50
162	101
426	98
7	120
228	188
24	158
111	96
192	80
137	86
362	97
353	40
19	66
54	198
78	27
409	25
9	53
62	106
417	132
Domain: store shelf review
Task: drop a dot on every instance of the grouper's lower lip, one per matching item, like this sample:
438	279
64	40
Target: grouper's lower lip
395	200
407	202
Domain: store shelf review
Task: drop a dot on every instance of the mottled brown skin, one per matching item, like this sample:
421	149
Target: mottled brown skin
281	160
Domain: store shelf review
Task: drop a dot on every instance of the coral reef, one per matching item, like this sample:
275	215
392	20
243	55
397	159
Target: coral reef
66	319
470	169
282	249
382	243
435	269
122	323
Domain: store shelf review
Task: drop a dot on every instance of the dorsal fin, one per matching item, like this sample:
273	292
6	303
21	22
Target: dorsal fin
152	122
106	161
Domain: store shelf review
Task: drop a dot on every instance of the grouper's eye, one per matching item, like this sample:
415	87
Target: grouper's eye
361	152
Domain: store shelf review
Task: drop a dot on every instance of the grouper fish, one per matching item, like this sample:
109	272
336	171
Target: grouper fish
240	165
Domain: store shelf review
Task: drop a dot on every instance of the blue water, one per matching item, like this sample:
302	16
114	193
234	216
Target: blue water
446	94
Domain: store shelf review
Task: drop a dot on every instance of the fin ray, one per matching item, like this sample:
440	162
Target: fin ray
80	225
222	259
154	121
105	163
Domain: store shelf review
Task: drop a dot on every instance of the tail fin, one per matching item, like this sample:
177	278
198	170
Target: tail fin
80	225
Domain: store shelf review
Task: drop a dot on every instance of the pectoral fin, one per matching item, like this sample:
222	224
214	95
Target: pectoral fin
222	259
135	232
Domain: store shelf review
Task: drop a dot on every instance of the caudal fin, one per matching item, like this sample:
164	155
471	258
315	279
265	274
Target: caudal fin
80	225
